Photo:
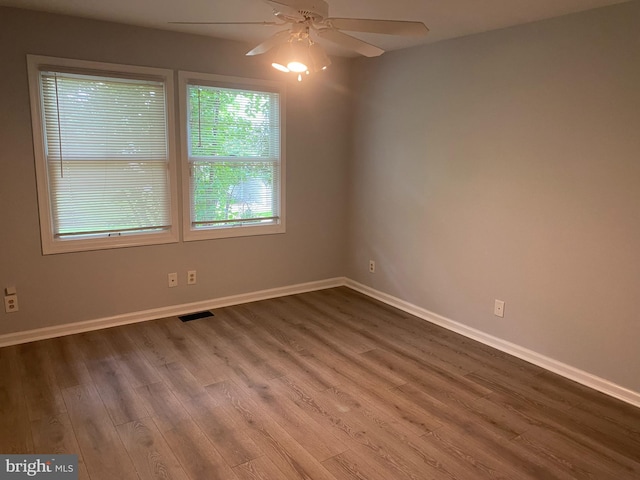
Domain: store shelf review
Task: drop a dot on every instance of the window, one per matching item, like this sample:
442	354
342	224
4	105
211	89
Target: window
104	162
232	133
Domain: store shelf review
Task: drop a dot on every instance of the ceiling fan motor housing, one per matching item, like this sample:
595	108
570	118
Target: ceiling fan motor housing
314	9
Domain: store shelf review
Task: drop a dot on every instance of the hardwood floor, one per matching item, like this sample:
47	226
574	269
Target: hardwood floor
328	385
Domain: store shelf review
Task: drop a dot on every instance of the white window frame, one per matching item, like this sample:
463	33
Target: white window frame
52	245
189	233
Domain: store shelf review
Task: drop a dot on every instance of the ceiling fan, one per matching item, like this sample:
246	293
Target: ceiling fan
298	53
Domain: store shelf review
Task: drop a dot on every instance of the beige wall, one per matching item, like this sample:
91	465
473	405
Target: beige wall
507	165
59	289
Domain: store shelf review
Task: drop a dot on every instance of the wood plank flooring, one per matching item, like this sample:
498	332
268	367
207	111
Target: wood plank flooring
328	385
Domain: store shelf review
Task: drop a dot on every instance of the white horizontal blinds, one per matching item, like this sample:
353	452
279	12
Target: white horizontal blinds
234	154
106	151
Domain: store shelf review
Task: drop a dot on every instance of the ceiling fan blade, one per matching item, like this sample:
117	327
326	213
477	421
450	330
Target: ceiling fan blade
268	24
352	43
273	41
387	27
285	8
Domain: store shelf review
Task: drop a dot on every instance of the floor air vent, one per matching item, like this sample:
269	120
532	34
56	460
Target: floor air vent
195	316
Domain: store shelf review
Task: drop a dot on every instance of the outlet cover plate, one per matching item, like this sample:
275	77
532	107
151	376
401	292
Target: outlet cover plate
11	303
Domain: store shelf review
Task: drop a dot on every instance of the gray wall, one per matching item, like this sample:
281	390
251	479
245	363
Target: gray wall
59	289
506	165
503	165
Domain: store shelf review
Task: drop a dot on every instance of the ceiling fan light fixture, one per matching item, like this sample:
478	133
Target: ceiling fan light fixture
299	58
297	67
281	59
280	67
292	57
319	58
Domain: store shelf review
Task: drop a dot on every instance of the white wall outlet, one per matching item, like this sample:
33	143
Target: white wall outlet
498	308
191	277
372	266
173	279
11	303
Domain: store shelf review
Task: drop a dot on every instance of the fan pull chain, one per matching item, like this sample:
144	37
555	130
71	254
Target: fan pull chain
55	80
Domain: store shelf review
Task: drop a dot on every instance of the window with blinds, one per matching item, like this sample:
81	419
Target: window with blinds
232	136
105	155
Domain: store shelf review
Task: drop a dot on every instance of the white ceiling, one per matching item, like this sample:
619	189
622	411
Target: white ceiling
445	18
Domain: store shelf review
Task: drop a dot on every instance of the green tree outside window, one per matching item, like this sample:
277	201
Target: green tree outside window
234	151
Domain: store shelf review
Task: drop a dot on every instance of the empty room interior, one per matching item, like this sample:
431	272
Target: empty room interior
422	264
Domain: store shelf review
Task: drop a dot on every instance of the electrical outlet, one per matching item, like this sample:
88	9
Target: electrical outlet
191	277
11	303
498	308
173	279
372	266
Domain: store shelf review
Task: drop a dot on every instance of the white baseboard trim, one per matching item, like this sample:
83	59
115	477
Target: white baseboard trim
572	373
162	312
